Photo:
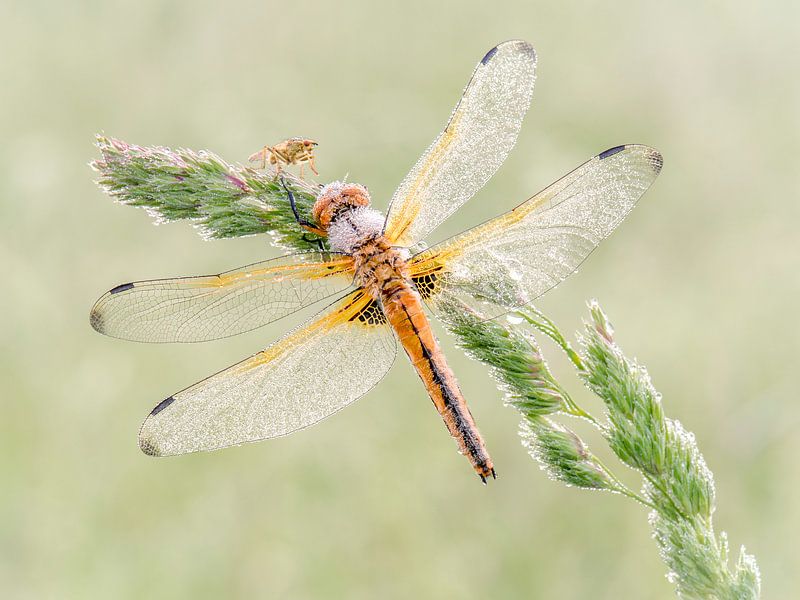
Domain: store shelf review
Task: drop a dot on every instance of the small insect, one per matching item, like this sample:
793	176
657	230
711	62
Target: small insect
378	288
294	151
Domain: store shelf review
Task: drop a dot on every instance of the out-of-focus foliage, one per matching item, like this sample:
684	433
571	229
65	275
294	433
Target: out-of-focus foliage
701	280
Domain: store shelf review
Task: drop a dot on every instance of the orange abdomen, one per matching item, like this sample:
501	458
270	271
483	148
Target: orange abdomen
403	308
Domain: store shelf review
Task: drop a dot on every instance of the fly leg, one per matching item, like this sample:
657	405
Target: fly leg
308	157
311	164
261	156
318	241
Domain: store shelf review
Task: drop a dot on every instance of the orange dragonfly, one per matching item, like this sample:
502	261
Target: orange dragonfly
380	287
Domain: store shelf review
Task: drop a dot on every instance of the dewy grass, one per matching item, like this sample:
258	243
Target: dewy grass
221	199
678	487
225	200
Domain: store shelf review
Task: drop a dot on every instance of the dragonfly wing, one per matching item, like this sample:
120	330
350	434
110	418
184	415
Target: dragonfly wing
511	260
308	375
480	134
194	309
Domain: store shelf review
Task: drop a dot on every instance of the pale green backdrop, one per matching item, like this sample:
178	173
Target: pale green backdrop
701	282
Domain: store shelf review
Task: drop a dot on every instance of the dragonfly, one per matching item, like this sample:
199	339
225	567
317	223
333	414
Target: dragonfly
380	283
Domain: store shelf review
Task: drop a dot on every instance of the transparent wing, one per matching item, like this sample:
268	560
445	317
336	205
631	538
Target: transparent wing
310	374
194	309
480	134
511	260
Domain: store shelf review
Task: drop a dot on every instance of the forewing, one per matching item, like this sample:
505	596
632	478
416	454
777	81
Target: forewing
511	260
194	309
310	374
481	132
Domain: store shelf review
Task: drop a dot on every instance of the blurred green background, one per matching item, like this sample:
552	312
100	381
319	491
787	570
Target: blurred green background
701	283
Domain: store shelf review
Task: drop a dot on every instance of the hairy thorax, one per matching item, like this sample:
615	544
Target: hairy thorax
380	268
343	211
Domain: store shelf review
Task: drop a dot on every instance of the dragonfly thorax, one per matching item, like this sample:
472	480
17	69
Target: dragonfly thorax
379	267
351	228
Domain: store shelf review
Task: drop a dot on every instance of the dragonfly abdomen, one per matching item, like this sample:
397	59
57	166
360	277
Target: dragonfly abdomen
403	308
381	270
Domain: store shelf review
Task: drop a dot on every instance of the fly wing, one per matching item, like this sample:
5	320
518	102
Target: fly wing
194	309
310	374
481	132
511	260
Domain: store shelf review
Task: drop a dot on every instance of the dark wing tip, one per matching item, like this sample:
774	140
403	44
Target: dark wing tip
149	446
656	160
523	47
96	316
610	152
147	443
488	56
121	288
162	405
96	319
520	45
652	155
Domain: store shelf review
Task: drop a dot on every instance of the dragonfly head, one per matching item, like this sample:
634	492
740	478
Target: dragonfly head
335	198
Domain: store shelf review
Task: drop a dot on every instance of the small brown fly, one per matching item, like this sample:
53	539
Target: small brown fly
294	151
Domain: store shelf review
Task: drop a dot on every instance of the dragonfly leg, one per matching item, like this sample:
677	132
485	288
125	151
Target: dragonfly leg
318	241
300	221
